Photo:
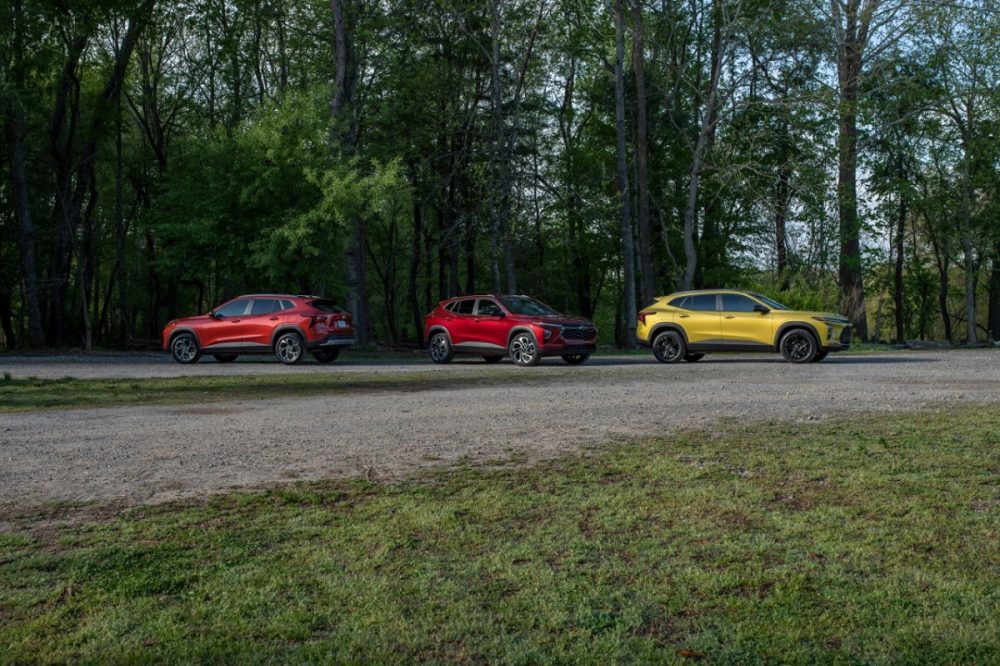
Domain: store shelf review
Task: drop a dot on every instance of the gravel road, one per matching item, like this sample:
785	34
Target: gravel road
149	454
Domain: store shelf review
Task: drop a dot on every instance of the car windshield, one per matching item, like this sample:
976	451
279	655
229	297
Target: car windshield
523	305
325	306
771	303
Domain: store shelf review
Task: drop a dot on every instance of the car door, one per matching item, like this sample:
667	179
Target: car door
259	324
742	325
462	325
699	316
225	326
490	325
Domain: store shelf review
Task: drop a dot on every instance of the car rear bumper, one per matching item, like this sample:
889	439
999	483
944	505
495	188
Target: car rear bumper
331	341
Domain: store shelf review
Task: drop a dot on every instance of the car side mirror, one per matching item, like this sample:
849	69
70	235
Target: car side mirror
501	314
761	309
214	315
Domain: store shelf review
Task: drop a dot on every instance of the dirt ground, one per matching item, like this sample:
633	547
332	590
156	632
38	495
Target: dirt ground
149	454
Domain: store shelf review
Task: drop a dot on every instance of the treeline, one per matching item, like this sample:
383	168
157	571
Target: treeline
159	157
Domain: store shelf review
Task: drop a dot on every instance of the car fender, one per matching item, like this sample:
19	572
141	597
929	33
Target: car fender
182	329
784	328
438	328
285	328
666	326
519	329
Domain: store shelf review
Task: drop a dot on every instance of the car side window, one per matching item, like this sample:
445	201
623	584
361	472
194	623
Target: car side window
737	303
263	306
451	306
466	306
488	308
701	303
287	305
234	309
679	302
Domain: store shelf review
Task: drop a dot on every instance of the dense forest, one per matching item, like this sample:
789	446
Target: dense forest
158	157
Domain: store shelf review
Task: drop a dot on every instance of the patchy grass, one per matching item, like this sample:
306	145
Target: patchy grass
33	394
871	540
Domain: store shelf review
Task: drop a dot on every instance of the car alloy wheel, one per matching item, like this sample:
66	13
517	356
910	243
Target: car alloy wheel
575	359
288	348
523	350
440	348
798	346
326	355
184	348
669	347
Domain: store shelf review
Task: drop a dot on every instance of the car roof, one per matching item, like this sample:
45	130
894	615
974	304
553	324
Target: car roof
325	298
696	292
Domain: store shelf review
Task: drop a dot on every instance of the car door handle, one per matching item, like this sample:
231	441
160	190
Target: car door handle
683	316
478	320
730	316
273	318
234	321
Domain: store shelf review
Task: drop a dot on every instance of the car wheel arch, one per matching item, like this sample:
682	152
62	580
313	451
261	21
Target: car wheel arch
521	329
661	328
287	328
179	331
438	329
792	325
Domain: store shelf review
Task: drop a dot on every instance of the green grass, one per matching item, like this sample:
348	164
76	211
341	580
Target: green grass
855	541
33	394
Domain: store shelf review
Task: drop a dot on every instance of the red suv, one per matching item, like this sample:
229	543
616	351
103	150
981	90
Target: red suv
287	326
495	326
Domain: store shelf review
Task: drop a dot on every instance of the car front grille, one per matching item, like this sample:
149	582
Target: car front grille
579	333
845	336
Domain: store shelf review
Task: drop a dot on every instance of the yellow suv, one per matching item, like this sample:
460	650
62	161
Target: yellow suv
686	324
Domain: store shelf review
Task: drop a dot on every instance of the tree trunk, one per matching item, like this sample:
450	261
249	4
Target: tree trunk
628	291
782	198
418	319
897	292
994	308
646	273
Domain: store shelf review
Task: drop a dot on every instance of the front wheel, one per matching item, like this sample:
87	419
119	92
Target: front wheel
326	355
184	348
799	346
289	349
225	358
669	347
575	359
440	348
524	350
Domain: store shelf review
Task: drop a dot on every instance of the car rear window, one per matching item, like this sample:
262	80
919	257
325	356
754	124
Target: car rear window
465	306
701	303
678	302
326	305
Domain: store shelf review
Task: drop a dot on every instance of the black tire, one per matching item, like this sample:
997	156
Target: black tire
820	355
575	359
493	358
326	355
225	358
798	346
694	358
524	349
439	347
669	347
184	348
289	348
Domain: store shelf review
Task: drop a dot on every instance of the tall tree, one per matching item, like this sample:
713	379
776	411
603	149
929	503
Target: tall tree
625	217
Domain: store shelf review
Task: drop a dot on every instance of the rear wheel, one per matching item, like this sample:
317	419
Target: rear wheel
493	358
524	350
289	349
694	358
669	347
798	346
820	355
326	355
225	358
184	348
575	359
440	348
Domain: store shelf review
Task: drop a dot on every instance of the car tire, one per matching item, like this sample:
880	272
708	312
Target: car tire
493	358
694	358
524	350
575	359
326	355
669	347
225	358
184	348
439	348
798	346
289	348
820	355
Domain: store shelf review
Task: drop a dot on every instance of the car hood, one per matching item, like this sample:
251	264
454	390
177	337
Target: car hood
558	320
189	320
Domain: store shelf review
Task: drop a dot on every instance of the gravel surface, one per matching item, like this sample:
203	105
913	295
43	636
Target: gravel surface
151	454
